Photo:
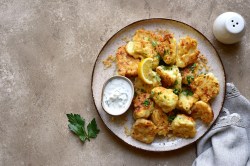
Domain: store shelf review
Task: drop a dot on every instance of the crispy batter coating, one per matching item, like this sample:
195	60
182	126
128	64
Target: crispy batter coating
189	73
154	103
144	43
185	102
167	48
160	119
144	130
142	87
187	52
205	86
203	111
131	51
183	126
126	64
169	75
164	98
143	106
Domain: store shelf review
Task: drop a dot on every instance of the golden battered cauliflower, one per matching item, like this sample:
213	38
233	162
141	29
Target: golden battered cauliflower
167	48
126	64
185	102
131	51
178	82
144	130
141	87
203	111
205	86
169	75
156	61
144	42
187	52
166	99
143	106
183	126
160	119
189	73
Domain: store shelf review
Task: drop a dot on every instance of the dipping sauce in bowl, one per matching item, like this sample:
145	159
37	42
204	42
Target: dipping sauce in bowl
117	95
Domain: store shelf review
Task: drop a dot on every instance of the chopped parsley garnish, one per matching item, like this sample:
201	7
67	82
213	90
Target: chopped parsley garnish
146	102
176	91
190	79
176	82
154	43
166	52
159	57
192	67
159	93
171	118
187	92
77	126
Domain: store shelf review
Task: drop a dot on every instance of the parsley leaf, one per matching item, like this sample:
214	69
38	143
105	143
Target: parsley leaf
187	92
192	67
176	91
190	79
171	118
92	129
77	126
154	43
146	102
166	52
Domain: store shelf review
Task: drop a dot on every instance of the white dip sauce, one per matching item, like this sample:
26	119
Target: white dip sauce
117	96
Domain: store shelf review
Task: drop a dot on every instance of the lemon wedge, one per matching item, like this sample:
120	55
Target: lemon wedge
145	71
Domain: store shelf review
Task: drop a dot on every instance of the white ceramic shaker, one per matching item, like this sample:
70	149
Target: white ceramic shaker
229	27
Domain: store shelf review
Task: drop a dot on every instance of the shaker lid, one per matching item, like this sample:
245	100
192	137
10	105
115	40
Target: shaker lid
235	23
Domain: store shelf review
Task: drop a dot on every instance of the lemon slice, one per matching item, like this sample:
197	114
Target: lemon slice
145	71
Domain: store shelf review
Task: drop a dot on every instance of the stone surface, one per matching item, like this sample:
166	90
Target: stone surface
47	53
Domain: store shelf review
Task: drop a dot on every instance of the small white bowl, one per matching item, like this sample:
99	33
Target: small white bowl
229	27
124	83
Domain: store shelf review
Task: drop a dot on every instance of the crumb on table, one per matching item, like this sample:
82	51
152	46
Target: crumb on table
108	61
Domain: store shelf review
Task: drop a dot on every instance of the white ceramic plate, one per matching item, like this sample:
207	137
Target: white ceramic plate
100	75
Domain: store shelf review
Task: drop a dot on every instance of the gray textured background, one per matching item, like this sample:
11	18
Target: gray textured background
47	52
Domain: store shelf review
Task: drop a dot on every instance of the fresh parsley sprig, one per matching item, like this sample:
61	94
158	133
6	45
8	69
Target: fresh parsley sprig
77	126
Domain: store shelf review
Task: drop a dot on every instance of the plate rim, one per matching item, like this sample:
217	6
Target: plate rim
152	19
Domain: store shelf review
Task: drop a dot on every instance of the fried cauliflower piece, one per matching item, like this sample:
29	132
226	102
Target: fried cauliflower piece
160	119
156	61
166	99
183	126
167	48
189	73
178	82
144	130
143	106
126	65
185	102
205	86
145	35
141	87
187	52
169	75
143	46
144	43
131	51
203	111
